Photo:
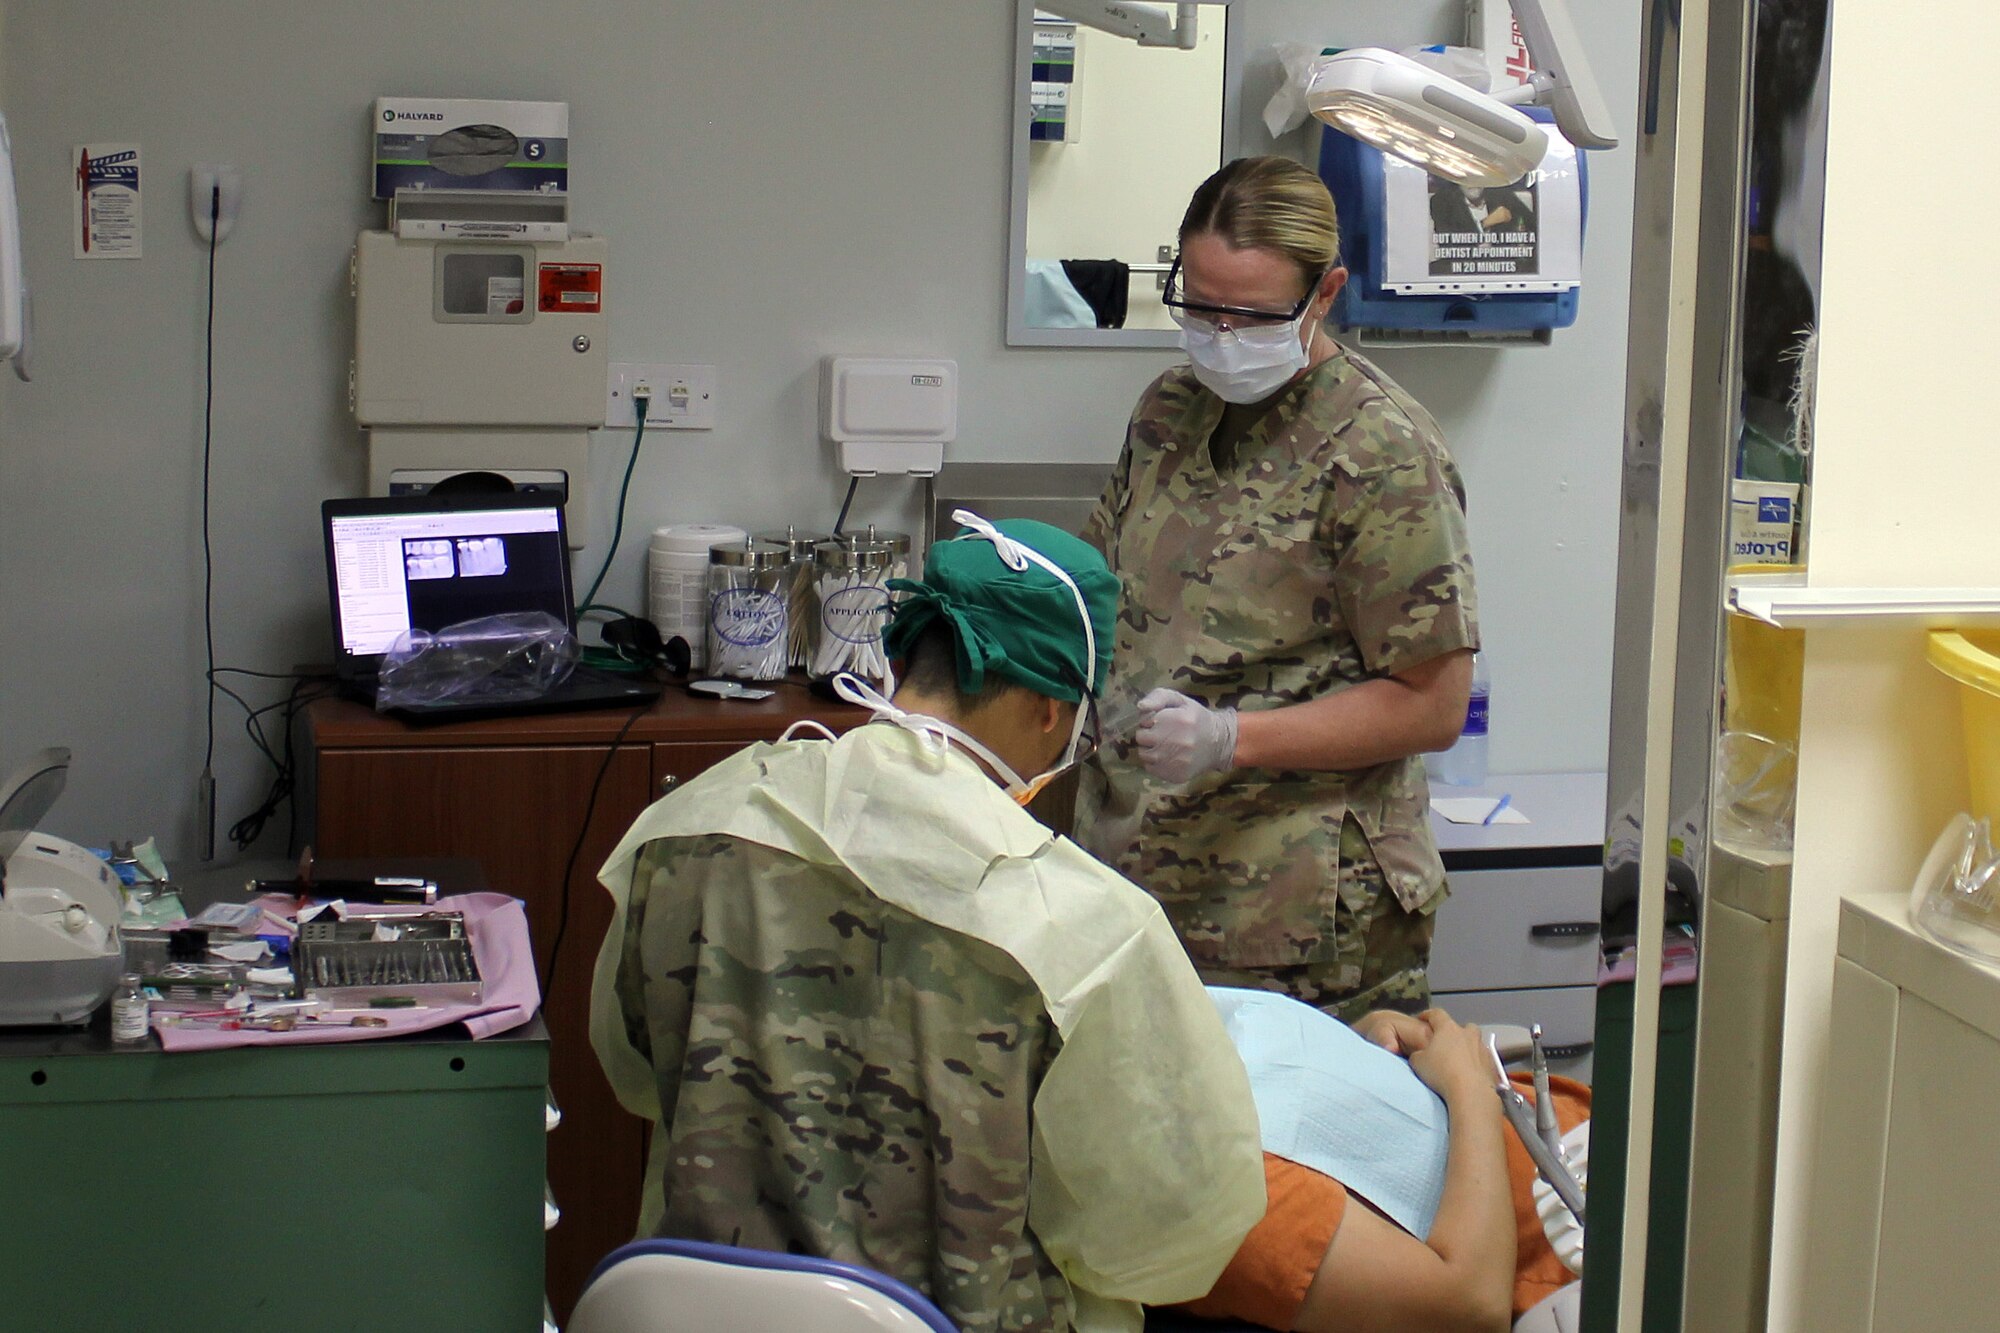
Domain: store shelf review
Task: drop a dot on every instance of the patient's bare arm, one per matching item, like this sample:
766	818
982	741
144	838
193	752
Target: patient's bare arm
1376	1276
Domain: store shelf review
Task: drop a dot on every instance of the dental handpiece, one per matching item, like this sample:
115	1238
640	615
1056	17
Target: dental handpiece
1548	1161
1545	1106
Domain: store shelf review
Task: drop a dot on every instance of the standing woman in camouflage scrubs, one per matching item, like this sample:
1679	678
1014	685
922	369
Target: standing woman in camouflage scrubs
1297	626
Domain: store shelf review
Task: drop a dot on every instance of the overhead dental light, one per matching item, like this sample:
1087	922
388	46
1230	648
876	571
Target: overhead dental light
1148	25
1393	103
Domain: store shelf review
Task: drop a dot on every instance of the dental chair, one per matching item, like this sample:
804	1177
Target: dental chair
688	1286
684	1286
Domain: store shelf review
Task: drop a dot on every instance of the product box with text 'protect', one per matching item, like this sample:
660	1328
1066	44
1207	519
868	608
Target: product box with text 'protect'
438	143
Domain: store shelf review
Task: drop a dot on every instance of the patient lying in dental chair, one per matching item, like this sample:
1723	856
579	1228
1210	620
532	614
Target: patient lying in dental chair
1398	1196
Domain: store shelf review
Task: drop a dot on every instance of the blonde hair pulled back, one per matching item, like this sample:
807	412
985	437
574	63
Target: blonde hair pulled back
1268	203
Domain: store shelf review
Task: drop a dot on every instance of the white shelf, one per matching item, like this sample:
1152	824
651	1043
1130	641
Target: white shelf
1785	600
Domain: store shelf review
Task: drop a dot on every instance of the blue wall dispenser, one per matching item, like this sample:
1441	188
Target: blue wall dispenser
1429	262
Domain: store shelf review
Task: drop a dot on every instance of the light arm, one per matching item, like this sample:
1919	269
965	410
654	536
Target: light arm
1148	25
1572	90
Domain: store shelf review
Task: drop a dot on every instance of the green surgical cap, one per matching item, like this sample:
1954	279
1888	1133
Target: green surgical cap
1020	625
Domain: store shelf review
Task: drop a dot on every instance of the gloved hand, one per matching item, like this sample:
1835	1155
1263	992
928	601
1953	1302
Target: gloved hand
1180	738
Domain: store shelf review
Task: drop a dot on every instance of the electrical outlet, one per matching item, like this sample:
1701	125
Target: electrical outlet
679	397
214	193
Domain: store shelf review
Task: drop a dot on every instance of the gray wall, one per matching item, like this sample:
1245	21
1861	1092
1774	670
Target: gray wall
779	179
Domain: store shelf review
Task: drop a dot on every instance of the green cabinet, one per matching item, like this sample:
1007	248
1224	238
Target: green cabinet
375	1184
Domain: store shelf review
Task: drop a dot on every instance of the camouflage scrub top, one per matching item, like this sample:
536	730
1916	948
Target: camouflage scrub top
890	1129
1328	549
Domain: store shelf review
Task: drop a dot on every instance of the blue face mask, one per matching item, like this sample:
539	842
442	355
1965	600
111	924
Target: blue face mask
1244	365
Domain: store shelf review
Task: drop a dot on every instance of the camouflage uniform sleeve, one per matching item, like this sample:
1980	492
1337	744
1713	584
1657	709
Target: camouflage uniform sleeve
1402	557
654	991
1101	530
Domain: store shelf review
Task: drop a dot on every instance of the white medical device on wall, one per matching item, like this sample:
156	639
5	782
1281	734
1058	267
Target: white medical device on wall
1148	25
1453	131
480	316
13	273
60	953
889	415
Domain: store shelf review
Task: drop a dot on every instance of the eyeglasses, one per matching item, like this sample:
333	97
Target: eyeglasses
1186	311
1091	738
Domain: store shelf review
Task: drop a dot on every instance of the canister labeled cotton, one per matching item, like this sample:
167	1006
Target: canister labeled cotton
748	615
801	604
852	595
677	582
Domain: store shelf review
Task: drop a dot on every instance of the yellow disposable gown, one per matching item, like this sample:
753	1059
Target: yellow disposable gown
1146	1170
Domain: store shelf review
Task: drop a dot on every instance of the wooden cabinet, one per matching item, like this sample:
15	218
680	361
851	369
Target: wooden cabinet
539	803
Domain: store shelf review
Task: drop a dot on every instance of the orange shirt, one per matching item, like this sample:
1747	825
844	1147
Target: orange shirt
1267	1280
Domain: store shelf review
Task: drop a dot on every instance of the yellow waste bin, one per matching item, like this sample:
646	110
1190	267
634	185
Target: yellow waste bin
1972	658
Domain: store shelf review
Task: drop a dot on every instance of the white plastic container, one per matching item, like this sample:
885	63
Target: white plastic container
677	582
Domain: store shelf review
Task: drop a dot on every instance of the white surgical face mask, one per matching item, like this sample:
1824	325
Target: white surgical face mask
1244	365
936	733
1015	555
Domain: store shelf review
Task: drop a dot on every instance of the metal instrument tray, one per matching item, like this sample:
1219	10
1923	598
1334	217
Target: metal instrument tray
425	958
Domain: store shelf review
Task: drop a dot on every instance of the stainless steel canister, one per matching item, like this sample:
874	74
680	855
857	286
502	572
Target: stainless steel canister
749	585
897	542
799	601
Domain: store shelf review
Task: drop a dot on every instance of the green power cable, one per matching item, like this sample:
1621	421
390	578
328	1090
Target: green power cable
640	402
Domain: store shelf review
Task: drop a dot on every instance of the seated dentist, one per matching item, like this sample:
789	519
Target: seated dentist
1398	1115
880	1014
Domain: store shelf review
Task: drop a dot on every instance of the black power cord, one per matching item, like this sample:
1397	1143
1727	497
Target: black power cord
207	788
306	688
576	850
841	522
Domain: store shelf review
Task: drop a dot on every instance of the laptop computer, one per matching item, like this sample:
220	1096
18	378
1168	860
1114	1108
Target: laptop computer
395	563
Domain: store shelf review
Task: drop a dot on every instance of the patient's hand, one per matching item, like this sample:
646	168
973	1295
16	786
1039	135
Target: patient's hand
1404	1034
1454	1063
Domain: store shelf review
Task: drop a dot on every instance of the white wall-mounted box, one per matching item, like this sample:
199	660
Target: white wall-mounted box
889	414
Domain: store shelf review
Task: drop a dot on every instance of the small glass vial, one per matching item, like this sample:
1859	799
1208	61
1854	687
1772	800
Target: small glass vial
130	1011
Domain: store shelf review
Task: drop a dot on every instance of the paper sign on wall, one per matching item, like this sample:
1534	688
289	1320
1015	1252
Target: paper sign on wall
104	217
1523	237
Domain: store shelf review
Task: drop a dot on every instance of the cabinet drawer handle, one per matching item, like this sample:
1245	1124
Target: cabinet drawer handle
1569	1052
1564	930
668	783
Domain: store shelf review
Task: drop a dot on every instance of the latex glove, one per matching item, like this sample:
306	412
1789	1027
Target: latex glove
1180	738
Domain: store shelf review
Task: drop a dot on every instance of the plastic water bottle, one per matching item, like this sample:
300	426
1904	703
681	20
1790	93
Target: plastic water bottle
1464	764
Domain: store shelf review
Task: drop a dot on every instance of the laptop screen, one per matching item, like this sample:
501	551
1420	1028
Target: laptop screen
424	563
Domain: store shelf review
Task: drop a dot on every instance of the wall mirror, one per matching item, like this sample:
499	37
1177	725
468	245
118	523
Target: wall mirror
1111	136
